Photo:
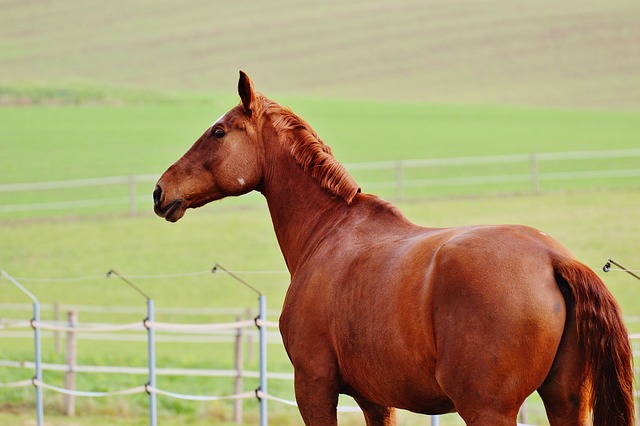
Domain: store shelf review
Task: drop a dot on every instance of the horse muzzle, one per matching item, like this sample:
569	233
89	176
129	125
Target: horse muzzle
172	210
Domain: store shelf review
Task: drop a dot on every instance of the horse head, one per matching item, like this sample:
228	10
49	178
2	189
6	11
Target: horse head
227	160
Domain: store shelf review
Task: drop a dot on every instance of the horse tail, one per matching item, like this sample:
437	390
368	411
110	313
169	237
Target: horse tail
604	340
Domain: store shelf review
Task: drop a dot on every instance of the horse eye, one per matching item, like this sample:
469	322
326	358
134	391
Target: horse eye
218	133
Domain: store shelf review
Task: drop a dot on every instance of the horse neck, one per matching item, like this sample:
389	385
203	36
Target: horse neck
301	211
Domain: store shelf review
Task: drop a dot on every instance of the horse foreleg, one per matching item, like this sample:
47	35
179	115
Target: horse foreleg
317	397
377	415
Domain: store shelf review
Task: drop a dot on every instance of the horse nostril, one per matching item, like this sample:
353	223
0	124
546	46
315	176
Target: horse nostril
157	195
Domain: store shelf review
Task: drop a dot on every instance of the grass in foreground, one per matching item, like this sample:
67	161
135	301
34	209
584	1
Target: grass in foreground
595	225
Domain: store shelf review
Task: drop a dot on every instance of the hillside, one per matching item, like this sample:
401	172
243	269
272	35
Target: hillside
544	53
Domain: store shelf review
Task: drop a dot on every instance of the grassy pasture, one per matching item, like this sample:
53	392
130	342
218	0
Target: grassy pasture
96	89
70	141
569	54
76	141
107	141
595	225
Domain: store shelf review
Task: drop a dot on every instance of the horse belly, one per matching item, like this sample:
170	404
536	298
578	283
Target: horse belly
393	380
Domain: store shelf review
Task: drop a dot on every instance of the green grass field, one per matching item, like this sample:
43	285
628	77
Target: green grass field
71	142
595	225
94	90
563	54
74	141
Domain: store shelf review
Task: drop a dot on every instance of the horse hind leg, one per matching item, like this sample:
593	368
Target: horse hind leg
377	415
481	401
565	391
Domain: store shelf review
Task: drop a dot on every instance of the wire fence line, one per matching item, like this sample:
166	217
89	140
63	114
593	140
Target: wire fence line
193	311
53	307
106	369
150	276
150	325
398	179
150	371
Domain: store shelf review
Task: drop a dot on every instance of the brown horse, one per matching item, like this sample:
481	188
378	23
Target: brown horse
470	319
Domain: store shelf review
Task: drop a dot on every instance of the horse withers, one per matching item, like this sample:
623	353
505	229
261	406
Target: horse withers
431	320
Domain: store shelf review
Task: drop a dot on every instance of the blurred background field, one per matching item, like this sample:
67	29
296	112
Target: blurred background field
93	90
564	54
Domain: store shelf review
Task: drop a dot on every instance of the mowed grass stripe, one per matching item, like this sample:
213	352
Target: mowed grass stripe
53	143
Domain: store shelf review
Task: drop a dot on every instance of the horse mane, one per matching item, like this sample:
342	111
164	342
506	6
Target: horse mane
309	151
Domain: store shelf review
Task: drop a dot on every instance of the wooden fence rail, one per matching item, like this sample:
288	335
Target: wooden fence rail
238	373
395	178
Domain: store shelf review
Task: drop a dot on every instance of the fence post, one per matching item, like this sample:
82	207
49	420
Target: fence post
250	340
237	407
56	333
533	169
262	316
153	414
523	412
133	208
38	361
399	181
71	361
38	347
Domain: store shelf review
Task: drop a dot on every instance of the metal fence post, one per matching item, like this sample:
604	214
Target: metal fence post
71	358
263	358
38	361
151	343
153	412
38	347
238	364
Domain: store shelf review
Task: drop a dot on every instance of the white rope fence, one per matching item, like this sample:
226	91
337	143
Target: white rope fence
145	324
111	328
209	272
19	384
150	326
341	409
199	327
130	391
244	395
151	276
143	370
105	369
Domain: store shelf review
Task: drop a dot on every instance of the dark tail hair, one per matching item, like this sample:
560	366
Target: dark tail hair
604	340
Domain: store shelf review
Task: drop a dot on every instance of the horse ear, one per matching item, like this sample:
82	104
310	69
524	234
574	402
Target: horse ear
245	89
